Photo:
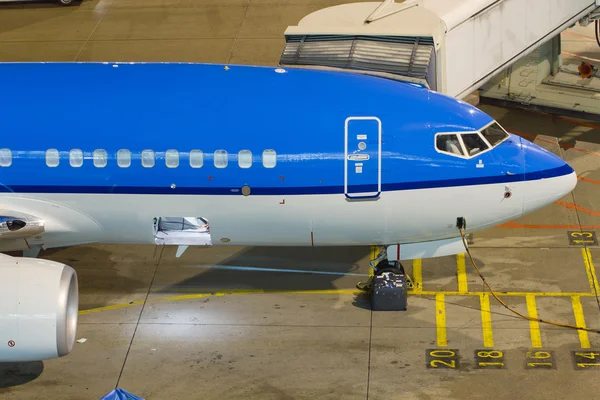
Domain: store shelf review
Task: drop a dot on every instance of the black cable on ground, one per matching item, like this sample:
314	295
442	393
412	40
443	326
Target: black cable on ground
527	317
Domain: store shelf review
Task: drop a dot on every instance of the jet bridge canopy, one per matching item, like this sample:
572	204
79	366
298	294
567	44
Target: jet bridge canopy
452	46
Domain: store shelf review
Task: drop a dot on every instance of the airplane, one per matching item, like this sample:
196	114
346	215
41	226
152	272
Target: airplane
221	155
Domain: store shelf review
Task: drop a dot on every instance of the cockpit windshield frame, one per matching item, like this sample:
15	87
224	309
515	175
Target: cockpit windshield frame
463	147
507	135
460	144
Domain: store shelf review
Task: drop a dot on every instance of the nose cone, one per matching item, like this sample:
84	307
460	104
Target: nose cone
548	178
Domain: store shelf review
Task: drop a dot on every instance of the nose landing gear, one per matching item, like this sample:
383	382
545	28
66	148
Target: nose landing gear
387	285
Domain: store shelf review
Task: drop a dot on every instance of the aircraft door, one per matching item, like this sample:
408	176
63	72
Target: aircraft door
362	158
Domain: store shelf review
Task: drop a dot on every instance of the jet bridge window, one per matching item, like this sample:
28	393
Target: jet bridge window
100	158
245	159
196	158
5	158
148	158
473	143
52	158
172	158
124	158
76	158
449	143
494	134
221	160
269	158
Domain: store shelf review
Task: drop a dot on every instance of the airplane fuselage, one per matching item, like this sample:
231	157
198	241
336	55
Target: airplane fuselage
189	154
267	156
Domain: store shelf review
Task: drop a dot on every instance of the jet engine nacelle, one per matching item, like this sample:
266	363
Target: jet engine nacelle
39	305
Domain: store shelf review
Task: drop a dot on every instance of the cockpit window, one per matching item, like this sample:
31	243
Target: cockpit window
494	134
449	143
473	143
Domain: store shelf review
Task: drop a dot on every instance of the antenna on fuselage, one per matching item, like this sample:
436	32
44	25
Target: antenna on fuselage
405	6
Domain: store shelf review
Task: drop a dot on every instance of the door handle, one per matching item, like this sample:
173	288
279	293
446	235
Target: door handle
509	173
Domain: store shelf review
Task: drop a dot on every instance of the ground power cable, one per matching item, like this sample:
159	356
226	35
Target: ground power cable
527	317
588	262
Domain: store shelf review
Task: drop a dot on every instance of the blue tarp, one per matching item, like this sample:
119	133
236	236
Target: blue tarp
120	394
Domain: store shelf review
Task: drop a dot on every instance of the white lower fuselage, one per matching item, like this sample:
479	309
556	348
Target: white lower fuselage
406	216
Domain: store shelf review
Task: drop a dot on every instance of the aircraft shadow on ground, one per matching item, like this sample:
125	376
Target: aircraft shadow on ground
276	268
323	268
104	274
19	373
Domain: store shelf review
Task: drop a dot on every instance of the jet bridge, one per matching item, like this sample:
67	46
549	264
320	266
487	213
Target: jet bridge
451	46
543	81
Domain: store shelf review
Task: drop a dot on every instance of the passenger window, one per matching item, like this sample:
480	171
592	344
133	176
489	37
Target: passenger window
123	158
76	158
221	160
100	158
494	134
52	158
5	158
449	144
196	158
148	158
473	143
269	158
172	158
245	159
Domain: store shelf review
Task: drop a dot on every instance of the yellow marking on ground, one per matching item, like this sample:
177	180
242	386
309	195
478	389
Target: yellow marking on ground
258	291
440	320
590	270
412	292
417	276
486	320
512	294
584	339
113	307
534	326
461	272
217	294
418	292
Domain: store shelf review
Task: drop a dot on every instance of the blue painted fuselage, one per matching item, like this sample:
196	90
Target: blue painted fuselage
310	122
300	114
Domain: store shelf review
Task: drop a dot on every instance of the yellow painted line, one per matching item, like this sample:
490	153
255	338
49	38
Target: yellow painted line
113	307
417	276
590	270
511	294
440	320
534	326
418	291
220	294
217	294
486	320
333	291
584	339
461	272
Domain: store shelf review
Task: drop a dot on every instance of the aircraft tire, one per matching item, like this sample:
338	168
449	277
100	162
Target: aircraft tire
387	267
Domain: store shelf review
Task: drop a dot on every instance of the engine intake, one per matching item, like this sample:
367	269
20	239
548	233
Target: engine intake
39	305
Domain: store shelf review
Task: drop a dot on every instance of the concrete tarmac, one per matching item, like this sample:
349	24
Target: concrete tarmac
293	326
